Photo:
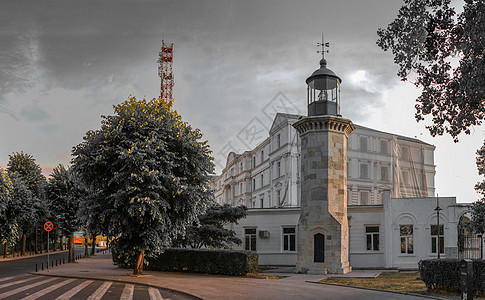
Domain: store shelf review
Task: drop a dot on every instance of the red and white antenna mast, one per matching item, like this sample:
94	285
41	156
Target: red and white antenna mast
165	60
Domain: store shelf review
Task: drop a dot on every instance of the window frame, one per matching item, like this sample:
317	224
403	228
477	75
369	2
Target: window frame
372	235
408	240
288	237
250	242
434	238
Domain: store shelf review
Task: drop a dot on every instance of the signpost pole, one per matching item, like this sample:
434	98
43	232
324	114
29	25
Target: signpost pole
47	250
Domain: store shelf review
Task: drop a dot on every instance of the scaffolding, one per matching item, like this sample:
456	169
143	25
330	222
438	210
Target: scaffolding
165	60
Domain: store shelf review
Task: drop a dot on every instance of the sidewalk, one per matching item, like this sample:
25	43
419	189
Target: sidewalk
295	286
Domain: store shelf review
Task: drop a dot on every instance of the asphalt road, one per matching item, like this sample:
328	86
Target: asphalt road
21	266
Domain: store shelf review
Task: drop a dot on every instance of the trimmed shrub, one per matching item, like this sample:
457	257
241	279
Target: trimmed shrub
222	262
445	274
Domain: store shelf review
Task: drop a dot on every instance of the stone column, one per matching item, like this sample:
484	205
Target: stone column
323	224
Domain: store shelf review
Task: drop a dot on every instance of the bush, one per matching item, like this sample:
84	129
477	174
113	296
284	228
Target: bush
445	274
223	262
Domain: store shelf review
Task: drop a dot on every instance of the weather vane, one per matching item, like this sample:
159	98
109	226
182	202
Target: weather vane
323	45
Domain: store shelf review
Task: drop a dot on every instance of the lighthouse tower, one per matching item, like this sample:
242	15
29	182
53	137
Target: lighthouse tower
323	229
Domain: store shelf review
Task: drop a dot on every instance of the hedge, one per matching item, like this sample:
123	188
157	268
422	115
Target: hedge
445	274
223	262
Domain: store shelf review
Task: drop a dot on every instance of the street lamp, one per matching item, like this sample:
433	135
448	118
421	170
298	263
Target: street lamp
437	209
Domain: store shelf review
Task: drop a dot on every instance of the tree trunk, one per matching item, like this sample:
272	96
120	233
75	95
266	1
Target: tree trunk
36	250
24	241
71	248
86	251
93	245
138	270
5	250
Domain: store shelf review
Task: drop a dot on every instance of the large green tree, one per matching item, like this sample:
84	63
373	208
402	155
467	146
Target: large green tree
443	53
23	208
64	194
211	230
24	167
152	171
8	212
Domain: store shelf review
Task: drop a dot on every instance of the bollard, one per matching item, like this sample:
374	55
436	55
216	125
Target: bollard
36	268
467	277
56	262
52	263
42	266
63	261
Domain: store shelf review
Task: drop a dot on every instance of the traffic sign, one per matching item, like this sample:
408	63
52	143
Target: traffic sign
48	226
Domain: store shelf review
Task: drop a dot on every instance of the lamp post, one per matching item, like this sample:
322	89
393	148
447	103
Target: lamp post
437	209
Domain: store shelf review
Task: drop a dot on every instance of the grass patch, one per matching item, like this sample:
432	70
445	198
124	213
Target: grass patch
261	276
395	281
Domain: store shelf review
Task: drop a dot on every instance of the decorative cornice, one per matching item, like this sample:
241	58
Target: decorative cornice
324	123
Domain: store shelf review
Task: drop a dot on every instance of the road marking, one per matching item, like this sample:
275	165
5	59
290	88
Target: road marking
128	292
67	295
15	282
154	294
25	287
47	290
11	277
98	294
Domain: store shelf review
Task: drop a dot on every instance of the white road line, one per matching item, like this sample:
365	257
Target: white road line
47	290
154	294
16	282
11	277
24	288
98	294
67	295
128	292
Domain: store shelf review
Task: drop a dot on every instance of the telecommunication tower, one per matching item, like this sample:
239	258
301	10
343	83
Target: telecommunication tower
165	60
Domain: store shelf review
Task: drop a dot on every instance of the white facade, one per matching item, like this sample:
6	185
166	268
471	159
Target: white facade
269	226
268	175
390	191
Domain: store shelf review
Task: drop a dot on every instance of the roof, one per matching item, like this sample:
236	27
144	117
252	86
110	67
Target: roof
399	137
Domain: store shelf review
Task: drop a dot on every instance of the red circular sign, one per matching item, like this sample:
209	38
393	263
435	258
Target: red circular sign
48	226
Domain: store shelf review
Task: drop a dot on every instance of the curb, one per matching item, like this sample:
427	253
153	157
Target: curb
121	281
379	290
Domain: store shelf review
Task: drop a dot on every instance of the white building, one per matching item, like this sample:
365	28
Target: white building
390	198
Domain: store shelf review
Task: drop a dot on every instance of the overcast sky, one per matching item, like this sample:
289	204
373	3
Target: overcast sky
63	64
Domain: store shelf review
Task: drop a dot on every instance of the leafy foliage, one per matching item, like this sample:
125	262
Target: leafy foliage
150	172
478	213
24	166
446	52
210	232
8	210
445	274
64	194
223	262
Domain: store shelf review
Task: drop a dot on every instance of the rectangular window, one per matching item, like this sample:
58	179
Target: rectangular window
254	162
254	184
278	139
407	240
241	167
289	239
250	239
384	173
364	171
434	239
405	178
240	188
372	233
364	198
262	155
384	147
278	194
278	169
363	144
262	180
